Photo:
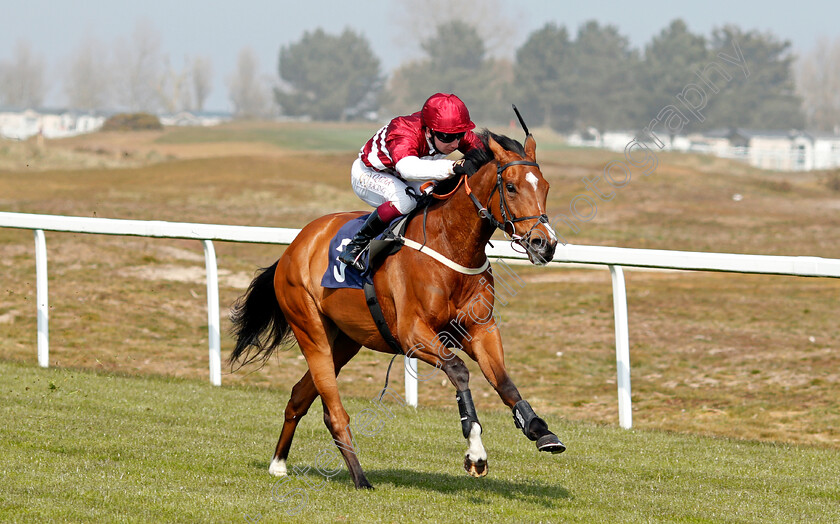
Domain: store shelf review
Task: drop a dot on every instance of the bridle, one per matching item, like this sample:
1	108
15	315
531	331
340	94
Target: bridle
508	218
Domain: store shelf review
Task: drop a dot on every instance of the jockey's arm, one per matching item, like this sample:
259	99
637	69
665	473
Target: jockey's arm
416	169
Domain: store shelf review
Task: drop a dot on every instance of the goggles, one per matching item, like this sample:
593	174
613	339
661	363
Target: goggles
446	138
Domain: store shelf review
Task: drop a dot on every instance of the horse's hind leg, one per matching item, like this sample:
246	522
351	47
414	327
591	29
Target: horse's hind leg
316	347
303	394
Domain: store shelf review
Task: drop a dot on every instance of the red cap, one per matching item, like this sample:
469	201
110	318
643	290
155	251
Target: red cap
447	114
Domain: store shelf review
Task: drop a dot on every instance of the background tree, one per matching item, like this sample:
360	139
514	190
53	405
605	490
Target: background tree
329	77
543	86
22	79
248	93
87	80
173	88
202	80
455	63
670	61
602	76
419	21
766	99
137	67
818	82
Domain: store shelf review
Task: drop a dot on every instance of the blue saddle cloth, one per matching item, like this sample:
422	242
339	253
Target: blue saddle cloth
339	275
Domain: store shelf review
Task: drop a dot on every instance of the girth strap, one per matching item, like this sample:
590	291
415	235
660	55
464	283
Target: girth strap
376	253
382	326
379	318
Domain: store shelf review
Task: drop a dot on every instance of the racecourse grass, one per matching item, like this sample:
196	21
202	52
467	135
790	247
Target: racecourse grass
81	446
296	137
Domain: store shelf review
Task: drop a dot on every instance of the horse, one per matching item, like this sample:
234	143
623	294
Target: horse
428	305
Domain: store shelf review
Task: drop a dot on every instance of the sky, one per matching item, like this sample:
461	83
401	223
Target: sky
220	29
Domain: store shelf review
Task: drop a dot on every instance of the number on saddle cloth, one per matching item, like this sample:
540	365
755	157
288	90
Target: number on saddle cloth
339	275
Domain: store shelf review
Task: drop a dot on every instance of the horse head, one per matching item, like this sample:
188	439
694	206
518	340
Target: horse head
518	203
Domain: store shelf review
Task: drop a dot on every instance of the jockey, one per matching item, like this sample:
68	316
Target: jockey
402	156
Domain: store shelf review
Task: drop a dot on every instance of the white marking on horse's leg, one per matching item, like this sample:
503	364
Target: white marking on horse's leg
476	450
278	467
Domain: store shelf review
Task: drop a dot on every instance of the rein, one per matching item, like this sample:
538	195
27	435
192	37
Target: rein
447	195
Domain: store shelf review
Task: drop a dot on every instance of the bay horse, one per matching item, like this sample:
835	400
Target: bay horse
427	304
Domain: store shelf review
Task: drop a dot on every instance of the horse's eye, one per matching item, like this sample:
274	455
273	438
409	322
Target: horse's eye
510	188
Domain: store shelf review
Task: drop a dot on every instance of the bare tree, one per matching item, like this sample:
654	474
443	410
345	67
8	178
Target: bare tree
249	94
22	79
87	80
138	68
185	89
818	81
202	80
173	88
186	100
419	20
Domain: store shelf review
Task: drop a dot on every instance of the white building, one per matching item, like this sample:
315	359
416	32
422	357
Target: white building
789	150
20	125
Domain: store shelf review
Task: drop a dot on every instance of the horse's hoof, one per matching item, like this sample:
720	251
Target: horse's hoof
550	443
475	469
364	484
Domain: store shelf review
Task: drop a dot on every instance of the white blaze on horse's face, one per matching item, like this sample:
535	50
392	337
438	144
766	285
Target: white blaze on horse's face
532	179
531	193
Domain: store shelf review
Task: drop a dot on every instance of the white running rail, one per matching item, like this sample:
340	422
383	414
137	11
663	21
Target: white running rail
613	257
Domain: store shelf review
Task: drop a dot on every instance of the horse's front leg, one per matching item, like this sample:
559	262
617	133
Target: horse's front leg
475	459
440	357
486	349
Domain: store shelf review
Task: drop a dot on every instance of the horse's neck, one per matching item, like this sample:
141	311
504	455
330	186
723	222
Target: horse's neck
455	229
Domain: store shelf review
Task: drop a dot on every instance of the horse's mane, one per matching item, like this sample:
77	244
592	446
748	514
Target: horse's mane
482	155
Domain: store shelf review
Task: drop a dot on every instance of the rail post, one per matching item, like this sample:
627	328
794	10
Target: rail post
214	335
622	348
410	381
42	298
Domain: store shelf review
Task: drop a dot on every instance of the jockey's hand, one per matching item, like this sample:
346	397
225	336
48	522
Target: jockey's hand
465	166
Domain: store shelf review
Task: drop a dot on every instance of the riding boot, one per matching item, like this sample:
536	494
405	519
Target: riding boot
352	254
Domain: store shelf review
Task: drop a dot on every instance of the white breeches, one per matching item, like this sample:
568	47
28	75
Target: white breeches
376	187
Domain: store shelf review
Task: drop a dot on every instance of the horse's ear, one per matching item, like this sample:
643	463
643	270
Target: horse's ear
530	148
499	152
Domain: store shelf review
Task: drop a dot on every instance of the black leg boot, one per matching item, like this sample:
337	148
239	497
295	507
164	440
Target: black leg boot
372	227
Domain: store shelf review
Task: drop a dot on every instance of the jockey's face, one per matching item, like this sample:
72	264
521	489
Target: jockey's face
443	147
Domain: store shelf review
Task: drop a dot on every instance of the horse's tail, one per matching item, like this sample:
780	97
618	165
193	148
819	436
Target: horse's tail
259	325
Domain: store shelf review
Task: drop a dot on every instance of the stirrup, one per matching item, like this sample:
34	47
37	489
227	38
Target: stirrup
357	262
